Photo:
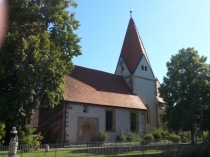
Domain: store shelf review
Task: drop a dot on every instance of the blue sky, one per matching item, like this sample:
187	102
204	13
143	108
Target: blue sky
164	26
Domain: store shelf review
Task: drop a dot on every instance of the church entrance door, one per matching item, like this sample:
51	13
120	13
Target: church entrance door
86	133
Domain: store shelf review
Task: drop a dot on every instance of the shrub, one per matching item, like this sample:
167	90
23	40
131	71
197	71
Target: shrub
102	136
148	137
174	138
26	136
205	135
130	136
2	130
164	134
37	139
121	136
157	134
137	137
183	136
160	134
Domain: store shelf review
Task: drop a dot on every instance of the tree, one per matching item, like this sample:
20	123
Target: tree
186	89
37	54
2	130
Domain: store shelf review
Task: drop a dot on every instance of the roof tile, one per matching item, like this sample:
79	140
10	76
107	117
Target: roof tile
100	88
133	48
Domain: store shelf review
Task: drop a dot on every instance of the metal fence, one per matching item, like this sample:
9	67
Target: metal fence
109	149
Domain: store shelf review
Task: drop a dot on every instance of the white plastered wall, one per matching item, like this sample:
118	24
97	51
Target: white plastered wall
119	71
122	119
144	86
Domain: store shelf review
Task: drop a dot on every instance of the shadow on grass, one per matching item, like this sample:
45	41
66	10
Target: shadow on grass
179	150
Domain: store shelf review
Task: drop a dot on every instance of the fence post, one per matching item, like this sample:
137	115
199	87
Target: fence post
47	148
21	151
55	149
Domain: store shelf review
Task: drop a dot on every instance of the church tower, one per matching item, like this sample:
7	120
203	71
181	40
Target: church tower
135	67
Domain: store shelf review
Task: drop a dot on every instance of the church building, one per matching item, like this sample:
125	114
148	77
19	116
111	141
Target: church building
95	101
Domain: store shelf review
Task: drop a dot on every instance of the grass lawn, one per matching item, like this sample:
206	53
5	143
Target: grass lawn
69	152
111	149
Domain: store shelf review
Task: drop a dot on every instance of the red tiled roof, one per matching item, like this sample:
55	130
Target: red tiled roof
100	88
133	48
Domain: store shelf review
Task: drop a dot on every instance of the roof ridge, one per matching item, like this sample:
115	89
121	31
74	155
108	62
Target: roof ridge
94	70
142	45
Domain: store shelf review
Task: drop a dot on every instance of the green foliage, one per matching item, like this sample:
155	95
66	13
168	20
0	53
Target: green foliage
174	138
137	137
130	136
157	134
37	139
148	137
28	137
183	136
164	134
205	135
36	55
186	89
121	136
102	136
2	130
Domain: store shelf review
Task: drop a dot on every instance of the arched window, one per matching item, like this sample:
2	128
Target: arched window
148	114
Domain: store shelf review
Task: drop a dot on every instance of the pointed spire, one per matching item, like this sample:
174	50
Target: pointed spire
133	50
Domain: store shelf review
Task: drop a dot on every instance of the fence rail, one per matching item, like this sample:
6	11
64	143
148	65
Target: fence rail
107	149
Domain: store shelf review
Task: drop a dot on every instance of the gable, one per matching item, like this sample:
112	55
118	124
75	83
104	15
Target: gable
122	68
144	69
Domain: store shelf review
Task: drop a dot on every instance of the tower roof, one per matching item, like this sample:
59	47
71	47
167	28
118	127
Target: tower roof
133	48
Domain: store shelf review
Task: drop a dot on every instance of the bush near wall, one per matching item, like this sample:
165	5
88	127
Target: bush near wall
174	138
160	134
102	136
121	137
130	137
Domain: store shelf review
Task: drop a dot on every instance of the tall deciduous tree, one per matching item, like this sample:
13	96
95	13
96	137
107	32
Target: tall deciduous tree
37	53
186	89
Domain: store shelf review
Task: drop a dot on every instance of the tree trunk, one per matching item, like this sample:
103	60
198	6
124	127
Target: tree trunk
8	128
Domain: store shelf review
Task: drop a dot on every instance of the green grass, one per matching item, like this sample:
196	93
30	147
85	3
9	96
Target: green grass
72	152
68	154
108	149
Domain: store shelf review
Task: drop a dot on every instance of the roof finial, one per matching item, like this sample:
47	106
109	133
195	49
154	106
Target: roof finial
131	12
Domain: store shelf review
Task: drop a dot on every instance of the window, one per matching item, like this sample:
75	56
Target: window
110	121
145	68
133	120
84	109
142	67
122	68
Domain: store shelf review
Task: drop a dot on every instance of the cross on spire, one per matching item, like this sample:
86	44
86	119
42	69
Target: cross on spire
131	12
